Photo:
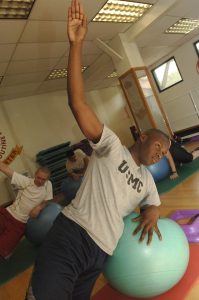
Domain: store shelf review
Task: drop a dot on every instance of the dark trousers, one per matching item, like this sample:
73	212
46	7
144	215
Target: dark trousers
11	231
179	154
68	264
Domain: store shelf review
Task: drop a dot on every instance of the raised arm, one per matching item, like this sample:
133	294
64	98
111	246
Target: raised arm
6	170
85	116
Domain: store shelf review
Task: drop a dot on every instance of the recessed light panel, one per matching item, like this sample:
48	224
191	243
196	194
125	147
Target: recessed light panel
59	73
15	9
113	75
121	11
183	26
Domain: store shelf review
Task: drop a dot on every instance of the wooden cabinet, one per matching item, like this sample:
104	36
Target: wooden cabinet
143	101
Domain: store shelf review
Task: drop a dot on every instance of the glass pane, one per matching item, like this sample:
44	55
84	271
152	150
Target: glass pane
136	103
151	101
167	75
197	47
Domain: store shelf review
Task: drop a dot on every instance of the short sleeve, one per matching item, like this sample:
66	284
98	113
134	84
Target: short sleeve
109	142
20	180
49	191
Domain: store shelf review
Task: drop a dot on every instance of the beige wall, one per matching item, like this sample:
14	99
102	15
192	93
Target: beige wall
45	120
177	100
111	108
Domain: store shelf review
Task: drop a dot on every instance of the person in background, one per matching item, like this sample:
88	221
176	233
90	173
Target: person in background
32	196
178	155
76	165
87	231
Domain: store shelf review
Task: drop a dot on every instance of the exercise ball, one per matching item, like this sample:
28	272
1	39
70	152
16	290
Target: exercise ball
37	228
140	270
160	170
69	188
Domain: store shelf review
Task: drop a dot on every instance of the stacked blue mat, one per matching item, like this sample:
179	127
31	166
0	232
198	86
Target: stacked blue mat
55	159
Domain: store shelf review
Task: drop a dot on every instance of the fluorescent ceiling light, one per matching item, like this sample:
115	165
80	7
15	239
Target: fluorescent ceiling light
183	26
113	75
121	11
15	9
57	73
60	73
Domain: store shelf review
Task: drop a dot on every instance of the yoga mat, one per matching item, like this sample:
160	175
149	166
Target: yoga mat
178	292
22	258
184	172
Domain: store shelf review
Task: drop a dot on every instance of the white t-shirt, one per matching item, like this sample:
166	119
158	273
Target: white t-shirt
78	165
29	196
112	187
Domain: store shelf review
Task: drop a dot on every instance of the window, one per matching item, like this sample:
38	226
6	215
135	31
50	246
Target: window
196	45
167	74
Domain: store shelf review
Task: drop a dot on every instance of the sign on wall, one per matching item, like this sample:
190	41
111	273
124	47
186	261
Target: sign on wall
13	153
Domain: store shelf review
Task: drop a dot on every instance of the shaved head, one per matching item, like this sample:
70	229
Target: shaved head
151	146
155	133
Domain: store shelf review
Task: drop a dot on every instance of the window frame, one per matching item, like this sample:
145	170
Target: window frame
196	49
156	79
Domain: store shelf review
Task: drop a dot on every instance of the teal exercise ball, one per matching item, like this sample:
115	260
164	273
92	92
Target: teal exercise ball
140	270
37	228
160	170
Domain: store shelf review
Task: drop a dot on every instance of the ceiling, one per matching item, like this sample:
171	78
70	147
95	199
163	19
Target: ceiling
30	49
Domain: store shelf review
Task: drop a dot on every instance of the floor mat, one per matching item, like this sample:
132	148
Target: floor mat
184	172
22	258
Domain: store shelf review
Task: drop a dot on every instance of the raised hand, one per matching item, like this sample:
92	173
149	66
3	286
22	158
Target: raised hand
77	22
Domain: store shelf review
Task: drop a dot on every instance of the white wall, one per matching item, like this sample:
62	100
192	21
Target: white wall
177	100
45	120
112	109
11	142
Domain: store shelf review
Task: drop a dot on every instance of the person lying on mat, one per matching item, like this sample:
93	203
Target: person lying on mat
30	200
178	155
115	183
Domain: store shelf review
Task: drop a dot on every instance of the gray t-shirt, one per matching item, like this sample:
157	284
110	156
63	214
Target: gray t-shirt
29	196
113	186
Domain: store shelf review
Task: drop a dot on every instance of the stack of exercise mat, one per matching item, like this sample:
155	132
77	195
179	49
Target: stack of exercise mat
55	159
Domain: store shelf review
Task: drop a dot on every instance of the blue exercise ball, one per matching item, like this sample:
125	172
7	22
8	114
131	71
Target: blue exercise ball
140	270
69	188
160	170
37	228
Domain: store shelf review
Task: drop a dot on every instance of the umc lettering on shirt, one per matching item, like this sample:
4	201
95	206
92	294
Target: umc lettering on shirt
131	179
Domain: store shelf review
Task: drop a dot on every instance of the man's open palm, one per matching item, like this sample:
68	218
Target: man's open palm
77	22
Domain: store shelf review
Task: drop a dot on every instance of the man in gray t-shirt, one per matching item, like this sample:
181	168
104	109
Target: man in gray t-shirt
115	182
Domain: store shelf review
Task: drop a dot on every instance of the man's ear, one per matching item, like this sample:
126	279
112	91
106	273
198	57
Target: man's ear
158	145
143	137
